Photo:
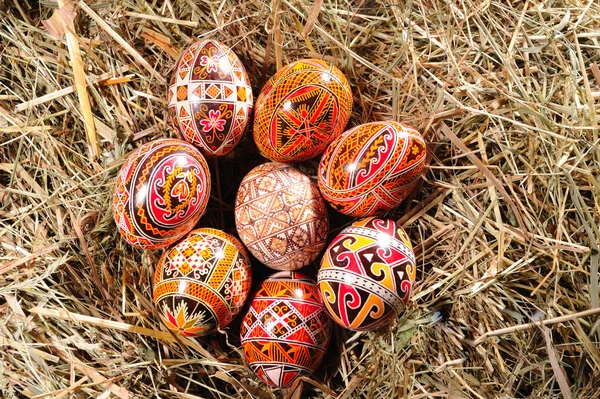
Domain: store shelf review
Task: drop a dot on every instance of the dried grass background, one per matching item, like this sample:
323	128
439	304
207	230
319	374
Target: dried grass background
505	224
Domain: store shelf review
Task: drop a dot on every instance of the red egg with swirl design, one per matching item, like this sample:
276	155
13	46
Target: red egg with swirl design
371	168
286	331
367	274
202	283
300	110
210	98
160	193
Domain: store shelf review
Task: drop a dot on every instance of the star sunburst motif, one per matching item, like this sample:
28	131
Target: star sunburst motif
183	323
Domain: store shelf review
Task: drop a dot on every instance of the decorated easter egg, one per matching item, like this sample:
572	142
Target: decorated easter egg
286	330
202	283
367	274
280	216
301	110
160	193
210	98
371	168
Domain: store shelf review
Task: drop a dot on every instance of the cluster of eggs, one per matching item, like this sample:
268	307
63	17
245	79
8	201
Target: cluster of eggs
203	278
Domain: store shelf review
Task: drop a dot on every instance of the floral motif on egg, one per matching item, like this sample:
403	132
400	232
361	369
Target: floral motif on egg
367	274
210	98
371	168
286	331
281	217
301	110
160	193
202	283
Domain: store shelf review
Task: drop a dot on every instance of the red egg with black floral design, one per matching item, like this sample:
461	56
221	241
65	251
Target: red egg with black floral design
210	98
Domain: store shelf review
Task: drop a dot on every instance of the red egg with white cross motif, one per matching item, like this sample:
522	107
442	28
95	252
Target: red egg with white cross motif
210	98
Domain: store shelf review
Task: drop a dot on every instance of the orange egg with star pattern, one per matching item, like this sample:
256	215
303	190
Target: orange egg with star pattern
300	110
202	282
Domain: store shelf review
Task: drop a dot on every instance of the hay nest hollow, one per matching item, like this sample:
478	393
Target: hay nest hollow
505	223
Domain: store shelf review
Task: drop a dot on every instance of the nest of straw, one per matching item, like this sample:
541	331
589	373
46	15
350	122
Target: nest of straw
505	222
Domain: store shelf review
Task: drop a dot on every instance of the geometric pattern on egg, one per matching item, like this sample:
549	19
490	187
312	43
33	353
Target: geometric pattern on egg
371	168
210	98
367	274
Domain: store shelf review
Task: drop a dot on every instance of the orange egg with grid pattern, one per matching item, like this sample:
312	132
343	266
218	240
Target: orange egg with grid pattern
280	216
160	194
286	330
210	98
202	283
371	168
300	110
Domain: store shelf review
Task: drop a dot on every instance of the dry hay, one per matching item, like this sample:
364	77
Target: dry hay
505	223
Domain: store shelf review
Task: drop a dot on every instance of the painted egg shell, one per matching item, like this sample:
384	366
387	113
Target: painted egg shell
210	98
371	168
367	274
286	331
280	216
202	283
160	193
301	110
